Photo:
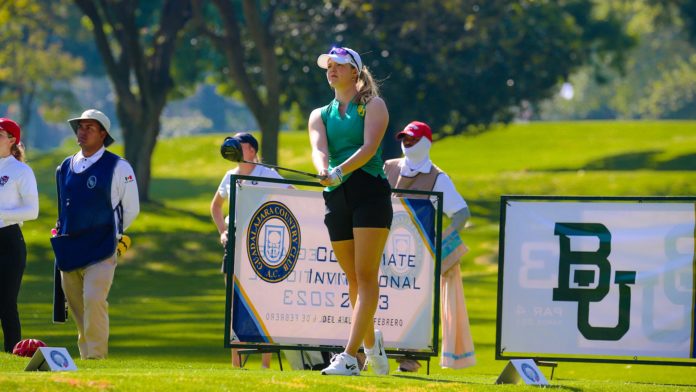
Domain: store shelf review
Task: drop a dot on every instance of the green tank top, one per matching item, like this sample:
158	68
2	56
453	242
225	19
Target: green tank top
345	135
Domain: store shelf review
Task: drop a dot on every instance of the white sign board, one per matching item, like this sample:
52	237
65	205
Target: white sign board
52	359
289	289
597	279
522	371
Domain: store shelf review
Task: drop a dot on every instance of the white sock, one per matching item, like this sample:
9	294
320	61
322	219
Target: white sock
369	351
350	356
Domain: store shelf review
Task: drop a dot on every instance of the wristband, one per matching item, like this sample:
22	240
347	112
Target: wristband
338	173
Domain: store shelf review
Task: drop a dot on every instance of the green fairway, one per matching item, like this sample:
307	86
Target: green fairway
167	302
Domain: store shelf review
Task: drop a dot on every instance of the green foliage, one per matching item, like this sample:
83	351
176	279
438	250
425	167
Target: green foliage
660	77
460	65
34	67
167	302
686	9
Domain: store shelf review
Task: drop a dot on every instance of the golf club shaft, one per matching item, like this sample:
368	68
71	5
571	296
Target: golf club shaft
317	176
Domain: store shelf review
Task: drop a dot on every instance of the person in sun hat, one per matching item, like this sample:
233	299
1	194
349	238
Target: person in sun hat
346	137
415	171
98	117
250	148
97	202
19	202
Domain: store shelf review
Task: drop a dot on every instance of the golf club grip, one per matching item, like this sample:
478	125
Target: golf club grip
60	310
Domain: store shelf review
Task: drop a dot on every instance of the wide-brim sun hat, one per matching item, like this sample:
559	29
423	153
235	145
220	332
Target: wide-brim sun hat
341	55
96	115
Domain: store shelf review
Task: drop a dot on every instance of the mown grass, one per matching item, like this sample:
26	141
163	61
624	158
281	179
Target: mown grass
167	302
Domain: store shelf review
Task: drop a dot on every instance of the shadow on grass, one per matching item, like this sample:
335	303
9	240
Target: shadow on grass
169	211
429	379
690	386
486	209
176	188
642	160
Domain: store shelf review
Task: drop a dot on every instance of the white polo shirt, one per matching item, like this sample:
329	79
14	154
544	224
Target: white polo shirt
452	201
19	197
259	171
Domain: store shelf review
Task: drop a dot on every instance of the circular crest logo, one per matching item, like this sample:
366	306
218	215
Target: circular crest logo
91	182
404	252
273	241
530	373
59	359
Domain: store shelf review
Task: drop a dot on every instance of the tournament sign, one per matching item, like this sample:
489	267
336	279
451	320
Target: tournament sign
597	279
289	289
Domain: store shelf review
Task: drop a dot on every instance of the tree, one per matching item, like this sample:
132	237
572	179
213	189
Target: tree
660	76
687	9
459	64
244	37
136	41
34	68
462	65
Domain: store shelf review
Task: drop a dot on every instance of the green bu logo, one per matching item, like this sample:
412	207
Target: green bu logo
575	284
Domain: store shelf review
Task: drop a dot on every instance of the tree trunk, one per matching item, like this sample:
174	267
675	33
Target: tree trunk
140	139
265	107
139	71
269	125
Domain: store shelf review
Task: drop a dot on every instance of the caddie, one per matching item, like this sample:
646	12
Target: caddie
97	201
415	171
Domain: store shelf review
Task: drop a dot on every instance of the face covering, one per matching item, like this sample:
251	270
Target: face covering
417	158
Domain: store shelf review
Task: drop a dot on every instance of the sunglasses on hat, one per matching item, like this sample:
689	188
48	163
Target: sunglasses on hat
342	52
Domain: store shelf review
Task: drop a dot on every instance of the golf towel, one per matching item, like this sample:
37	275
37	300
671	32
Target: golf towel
457	344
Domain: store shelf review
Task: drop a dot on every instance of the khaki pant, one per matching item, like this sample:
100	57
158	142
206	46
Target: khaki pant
86	290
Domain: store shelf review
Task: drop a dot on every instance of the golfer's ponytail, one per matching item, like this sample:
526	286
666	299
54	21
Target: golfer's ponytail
367	87
17	150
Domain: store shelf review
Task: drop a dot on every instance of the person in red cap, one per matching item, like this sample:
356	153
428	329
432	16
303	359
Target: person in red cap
346	136
97	201
19	202
415	171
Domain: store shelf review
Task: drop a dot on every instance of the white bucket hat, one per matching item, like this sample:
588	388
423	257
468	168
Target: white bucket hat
96	115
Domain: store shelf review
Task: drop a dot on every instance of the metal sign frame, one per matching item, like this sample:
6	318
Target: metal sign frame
229	262
500	352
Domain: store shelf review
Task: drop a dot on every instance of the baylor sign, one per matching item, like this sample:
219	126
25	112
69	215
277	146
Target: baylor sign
579	289
597	279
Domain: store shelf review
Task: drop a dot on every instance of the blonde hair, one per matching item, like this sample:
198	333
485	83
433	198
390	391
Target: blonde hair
17	150
367	87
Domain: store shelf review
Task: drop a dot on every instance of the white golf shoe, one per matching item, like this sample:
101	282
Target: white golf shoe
377	357
342	365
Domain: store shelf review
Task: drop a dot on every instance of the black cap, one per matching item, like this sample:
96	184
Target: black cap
245	137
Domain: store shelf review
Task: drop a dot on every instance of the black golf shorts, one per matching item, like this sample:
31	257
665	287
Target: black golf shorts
362	201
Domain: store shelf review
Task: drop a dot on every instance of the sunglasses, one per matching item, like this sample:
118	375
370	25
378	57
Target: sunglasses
342	52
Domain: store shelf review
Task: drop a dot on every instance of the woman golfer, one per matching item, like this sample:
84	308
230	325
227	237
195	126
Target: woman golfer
345	136
19	201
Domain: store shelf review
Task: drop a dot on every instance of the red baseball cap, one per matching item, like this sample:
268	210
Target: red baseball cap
10	127
416	129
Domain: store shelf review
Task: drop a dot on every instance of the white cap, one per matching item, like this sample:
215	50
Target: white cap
96	115
341	55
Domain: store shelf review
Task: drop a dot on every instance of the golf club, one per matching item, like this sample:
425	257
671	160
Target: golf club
231	150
